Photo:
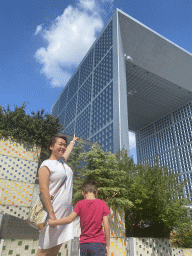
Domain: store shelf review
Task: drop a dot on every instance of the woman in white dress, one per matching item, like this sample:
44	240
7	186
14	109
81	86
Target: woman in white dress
55	176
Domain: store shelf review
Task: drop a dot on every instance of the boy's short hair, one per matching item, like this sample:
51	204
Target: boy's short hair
89	186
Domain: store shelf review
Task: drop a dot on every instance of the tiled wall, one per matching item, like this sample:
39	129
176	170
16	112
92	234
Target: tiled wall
117	225
16	247
18	168
153	247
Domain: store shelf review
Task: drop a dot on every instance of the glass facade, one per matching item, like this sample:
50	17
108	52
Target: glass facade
98	103
170	141
85	107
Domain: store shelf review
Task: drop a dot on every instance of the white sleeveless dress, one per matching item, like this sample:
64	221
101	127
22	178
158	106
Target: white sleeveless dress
62	205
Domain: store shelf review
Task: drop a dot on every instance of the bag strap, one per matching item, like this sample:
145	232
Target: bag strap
53	196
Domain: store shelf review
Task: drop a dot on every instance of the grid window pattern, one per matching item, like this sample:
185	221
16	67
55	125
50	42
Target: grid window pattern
174	144
83	123
86	68
165	140
84	96
183	131
105	138
148	147
63	99
55	109
188	187
169	160
182	112
185	157
103	73
62	116
163	123
70	129
73	85
104	43
102	109
146	131
149	161
71	110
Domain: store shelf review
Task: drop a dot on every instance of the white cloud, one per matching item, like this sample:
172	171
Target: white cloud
132	140
68	40
38	29
87	4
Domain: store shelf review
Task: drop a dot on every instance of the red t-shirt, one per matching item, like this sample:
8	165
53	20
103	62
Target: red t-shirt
91	214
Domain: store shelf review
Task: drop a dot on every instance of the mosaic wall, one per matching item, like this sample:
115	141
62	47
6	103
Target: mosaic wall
17	247
22	247
143	247
117	247
19	192
153	247
117	223
18	168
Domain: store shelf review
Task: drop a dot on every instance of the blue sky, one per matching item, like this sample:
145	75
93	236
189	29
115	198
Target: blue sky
43	41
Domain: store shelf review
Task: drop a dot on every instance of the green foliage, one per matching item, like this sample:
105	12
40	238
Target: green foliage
36	128
76	158
182	237
102	167
148	194
76	163
156	197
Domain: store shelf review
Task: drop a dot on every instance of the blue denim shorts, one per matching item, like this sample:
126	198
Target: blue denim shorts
89	249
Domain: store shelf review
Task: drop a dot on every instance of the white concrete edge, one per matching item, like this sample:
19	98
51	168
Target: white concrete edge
143	25
1	246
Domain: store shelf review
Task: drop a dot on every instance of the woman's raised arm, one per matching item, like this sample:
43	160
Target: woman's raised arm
70	148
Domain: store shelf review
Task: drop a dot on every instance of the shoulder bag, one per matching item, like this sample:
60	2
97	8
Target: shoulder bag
38	215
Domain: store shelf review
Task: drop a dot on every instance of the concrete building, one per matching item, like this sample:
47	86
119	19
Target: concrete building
134	79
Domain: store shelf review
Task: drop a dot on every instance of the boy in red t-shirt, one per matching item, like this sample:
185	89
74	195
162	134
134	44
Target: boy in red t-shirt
93	212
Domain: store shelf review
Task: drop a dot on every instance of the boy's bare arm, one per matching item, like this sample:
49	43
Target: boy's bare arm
107	233
63	221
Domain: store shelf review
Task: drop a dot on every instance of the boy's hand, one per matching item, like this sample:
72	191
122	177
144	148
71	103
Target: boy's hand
51	223
107	250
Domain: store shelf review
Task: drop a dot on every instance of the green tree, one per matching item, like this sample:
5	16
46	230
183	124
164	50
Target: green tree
36	128
102	167
157	198
76	162
148	194
182	236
